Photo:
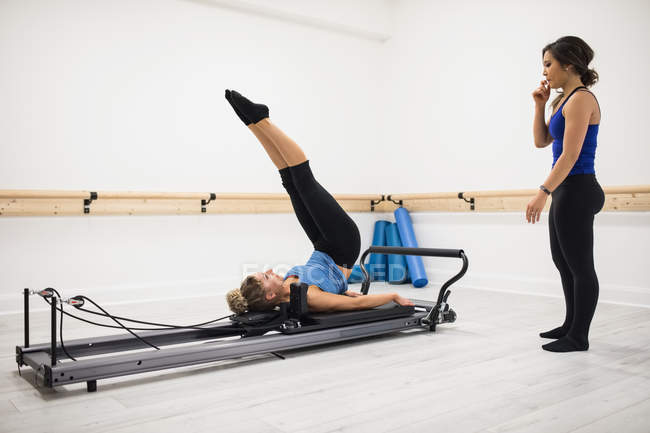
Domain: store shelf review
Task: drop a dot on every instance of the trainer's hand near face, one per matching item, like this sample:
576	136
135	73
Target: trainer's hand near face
542	93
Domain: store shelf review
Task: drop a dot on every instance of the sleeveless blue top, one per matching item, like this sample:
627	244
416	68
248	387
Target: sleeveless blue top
585	162
320	270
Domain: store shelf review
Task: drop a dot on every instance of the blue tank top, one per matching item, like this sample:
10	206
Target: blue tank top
585	162
320	270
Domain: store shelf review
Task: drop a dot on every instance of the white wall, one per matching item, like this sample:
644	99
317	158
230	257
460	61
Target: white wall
461	73
507	254
128	95
144	257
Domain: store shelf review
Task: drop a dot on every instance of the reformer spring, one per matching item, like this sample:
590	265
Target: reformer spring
78	302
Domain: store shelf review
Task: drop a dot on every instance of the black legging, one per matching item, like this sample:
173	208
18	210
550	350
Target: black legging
327	225
571	221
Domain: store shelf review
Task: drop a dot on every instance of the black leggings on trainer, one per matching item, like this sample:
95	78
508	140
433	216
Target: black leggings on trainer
328	226
571	221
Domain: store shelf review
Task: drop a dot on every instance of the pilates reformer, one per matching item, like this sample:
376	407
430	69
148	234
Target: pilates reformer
290	326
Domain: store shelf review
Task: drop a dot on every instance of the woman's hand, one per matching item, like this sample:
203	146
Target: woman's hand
535	207
542	93
402	301
352	294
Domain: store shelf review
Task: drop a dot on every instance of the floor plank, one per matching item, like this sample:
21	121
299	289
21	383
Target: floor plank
484	373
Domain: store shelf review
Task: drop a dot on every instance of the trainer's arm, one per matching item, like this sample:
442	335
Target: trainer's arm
540	128
321	301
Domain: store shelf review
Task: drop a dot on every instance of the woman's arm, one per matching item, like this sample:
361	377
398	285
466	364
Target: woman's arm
577	114
321	301
540	128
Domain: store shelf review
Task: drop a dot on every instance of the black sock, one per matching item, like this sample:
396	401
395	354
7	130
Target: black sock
251	111
565	344
241	116
556	333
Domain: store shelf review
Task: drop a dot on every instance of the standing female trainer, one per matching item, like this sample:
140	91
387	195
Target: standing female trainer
577	196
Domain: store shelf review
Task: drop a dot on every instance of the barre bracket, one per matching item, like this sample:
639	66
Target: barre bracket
470	201
204	203
374	203
88	201
399	203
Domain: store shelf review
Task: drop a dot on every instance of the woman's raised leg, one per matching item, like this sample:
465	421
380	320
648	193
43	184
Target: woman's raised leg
270	148
256	117
317	211
289	149
303	215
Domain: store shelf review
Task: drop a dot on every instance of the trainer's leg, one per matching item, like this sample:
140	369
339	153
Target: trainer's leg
575	233
565	272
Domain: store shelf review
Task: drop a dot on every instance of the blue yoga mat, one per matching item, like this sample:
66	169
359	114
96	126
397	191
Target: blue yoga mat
397	270
414	263
378	263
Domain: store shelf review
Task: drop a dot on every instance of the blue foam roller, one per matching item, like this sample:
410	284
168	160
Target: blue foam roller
397	273
356	276
378	263
407	235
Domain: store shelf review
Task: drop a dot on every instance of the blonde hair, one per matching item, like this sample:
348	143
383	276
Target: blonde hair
249	297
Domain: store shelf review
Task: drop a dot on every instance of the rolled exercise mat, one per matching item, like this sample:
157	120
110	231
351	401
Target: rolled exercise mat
414	263
397	273
378	263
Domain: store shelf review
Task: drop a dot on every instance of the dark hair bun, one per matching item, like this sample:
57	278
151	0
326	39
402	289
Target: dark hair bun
589	77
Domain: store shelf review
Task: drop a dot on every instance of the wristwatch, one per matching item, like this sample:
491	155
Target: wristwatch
543	188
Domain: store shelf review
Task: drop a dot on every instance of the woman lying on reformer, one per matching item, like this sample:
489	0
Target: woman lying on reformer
333	233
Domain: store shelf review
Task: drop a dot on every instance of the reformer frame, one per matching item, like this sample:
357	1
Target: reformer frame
295	328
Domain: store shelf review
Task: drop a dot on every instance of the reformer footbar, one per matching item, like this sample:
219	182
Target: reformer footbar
289	327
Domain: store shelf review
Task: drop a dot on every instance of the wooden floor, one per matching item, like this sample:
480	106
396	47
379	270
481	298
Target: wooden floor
484	373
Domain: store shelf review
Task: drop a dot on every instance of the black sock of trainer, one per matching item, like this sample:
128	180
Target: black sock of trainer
556	333
251	111
565	344
241	116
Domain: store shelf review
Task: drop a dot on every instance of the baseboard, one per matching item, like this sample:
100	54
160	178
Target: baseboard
609	293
